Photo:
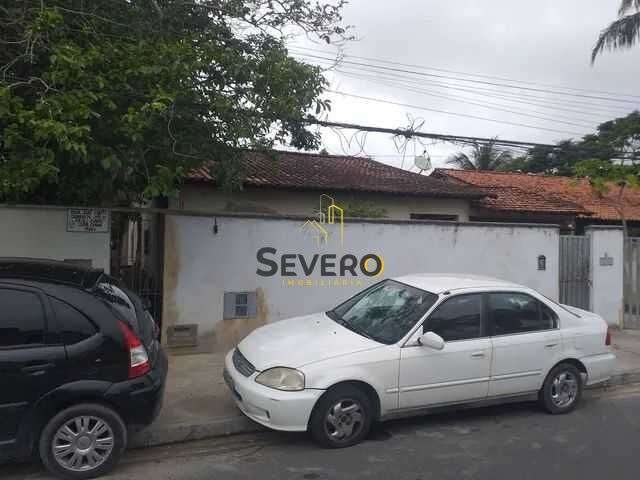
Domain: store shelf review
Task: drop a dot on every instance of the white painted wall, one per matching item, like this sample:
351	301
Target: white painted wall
42	233
200	265
280	202
607	280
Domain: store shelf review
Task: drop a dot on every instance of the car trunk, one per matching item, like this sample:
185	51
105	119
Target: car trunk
130	308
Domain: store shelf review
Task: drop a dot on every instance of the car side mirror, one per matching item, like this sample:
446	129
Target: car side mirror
431	340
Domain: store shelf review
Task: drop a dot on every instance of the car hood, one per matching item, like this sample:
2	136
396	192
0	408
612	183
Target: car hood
300	341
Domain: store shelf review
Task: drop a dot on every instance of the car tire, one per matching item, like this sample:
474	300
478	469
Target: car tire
342	417
562	389
93	438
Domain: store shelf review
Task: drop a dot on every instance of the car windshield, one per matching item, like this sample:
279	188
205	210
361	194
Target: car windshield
384	312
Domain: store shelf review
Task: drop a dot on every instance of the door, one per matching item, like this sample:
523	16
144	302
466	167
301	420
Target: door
575	261
526	342
31	358
457	373
631	284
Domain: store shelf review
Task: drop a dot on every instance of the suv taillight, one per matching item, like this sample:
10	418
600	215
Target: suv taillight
607	339
138	358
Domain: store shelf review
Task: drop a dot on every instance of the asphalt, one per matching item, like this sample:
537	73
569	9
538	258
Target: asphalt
599	440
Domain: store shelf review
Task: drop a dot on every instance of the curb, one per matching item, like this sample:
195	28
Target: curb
185	432
624	378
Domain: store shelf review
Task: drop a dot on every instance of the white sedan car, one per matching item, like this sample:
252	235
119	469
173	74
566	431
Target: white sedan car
407	345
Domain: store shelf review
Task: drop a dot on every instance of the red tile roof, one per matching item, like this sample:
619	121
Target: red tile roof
539	193
310	171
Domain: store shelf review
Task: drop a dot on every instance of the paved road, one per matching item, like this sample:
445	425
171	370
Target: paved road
600	440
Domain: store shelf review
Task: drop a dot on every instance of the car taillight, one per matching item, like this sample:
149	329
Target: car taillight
607	339
138	358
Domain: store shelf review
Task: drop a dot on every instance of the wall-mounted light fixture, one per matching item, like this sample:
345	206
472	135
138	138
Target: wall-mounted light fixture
542	262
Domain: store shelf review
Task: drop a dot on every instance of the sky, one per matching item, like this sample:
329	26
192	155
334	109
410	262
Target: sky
539	46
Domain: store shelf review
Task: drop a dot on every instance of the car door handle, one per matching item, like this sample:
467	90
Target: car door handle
38	369
477	355
550	345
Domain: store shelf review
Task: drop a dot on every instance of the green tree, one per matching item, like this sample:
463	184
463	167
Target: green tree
613	139
110	101
483	156
606	175
623	33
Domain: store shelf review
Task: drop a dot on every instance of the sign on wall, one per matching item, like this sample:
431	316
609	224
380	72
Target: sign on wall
88	220
296	269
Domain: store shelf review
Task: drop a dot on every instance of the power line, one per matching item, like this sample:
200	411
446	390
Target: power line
549	105
408	133
488	105
445	112
487	91
457	72
482	82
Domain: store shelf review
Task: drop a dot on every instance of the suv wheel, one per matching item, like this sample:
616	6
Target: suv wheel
562	389
83	441
341	418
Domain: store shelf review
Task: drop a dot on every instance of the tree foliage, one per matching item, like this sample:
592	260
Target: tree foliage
622	33
615	140
110	101
483	156
609	159
615	155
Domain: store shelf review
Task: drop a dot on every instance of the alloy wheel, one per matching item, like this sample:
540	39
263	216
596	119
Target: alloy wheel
82	444
564	389
344	420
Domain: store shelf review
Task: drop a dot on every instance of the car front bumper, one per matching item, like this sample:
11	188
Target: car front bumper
279	410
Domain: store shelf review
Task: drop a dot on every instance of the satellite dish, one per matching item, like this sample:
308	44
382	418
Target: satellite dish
423	162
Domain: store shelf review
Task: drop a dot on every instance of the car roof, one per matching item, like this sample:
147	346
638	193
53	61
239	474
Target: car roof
446	282
46	270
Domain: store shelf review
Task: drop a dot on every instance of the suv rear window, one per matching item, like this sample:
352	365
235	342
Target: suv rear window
126	305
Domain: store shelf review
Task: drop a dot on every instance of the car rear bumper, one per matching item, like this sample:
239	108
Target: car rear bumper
139	401
599	367
286	411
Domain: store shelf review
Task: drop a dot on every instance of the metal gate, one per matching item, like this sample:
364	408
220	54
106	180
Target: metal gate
575	261
631	318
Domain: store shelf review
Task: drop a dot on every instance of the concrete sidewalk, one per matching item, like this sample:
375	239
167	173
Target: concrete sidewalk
198	404
626	346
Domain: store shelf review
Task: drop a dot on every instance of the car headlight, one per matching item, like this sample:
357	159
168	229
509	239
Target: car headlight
282	378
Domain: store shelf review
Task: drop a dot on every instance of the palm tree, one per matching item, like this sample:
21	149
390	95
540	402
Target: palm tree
623	33
484	156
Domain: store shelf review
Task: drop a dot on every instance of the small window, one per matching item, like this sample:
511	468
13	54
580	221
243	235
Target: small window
433	216
549	317
22	320
458	318
239	305
513	313
74	325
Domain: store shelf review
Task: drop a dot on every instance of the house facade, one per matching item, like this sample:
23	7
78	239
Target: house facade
291	184
569	202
